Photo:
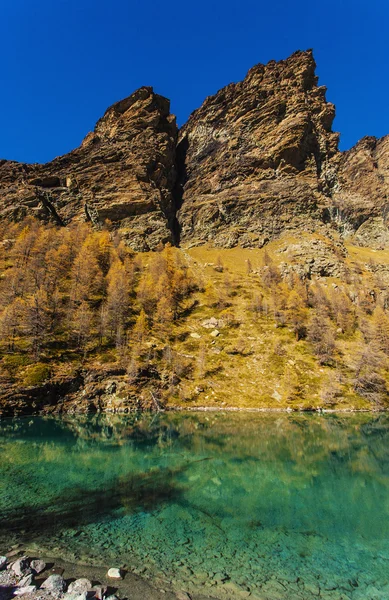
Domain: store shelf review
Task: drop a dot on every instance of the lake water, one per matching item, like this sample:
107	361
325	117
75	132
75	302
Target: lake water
237	505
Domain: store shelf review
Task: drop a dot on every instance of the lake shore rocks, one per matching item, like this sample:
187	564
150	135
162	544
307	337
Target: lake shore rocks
49	585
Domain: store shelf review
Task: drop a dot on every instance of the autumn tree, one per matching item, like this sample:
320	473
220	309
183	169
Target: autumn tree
297	314
81	324
10	323
36	320
369	379
320	333
118	300
380	330
86	275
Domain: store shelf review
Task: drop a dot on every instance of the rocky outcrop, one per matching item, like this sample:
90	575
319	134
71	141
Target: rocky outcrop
361	193
257	158
123	172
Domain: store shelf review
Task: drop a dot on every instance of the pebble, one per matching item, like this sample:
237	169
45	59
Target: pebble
114	573
3	562
54	582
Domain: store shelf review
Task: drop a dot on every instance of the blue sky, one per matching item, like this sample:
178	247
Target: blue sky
63	62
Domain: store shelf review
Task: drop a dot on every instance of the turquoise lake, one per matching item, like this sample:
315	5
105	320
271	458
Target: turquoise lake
236	505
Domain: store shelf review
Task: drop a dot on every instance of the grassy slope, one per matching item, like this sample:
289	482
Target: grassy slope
270	368
251	363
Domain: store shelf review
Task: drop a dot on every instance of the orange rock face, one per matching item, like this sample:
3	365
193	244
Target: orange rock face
256	157
255	160
124	172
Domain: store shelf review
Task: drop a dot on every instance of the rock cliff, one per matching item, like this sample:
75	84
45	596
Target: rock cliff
361	192
256	159
124	172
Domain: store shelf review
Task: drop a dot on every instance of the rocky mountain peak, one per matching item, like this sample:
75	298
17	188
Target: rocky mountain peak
141	110
239	146
123	172
258	158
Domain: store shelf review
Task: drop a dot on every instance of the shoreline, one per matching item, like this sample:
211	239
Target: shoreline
200	409
318	410
131	586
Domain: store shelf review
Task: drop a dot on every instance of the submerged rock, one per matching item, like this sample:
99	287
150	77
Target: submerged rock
3	562
114	573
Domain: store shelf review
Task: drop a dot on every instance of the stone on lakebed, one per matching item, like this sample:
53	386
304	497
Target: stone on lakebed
114	573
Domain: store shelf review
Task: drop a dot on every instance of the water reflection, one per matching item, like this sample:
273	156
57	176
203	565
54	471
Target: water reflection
304	497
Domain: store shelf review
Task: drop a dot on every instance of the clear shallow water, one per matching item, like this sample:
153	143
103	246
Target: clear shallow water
281	506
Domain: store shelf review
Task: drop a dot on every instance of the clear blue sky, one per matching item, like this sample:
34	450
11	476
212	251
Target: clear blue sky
63	62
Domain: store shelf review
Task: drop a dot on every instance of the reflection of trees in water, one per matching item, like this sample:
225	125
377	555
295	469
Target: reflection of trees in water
295	448
297	438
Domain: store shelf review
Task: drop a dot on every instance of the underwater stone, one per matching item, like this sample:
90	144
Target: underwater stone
3	562
114	573
99	591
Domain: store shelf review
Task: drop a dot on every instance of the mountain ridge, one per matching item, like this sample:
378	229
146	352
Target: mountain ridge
255	159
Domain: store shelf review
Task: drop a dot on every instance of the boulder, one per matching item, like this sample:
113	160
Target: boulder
79	586
37	566
21	566
75	596
54	582
26	581
29	589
